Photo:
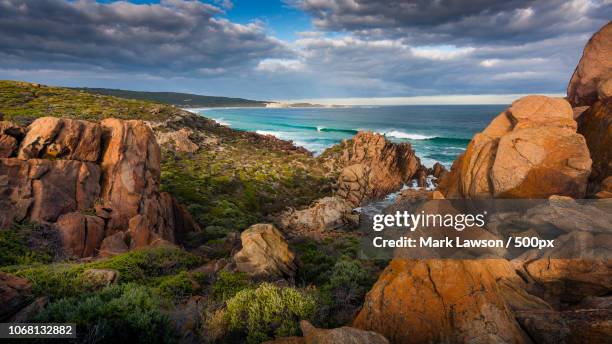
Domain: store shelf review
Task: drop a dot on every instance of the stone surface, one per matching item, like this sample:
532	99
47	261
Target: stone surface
439	301
595	125
531	150
594	67
579	326
345	334
385	166
81	234
325	214
15	293
41	190
265	253
100	278
58	138
30	311
113	245
10	135
177	140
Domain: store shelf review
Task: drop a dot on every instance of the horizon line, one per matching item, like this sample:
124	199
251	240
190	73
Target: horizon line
469	99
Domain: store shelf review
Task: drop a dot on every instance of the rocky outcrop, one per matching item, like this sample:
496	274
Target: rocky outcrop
344	334
41	190
265	253
178	140
593	70
325	214
531	150
10	135
103	179
15	293
58	138
370	166
439	301
571	326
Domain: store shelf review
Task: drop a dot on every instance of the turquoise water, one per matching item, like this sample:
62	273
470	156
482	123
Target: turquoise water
438	133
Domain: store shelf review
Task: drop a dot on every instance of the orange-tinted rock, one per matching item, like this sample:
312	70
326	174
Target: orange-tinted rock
10	135
439	301
531	150
15	293
345	334
594	67
113	245
385	166
325	214
265	253
177	140
595	125
81	234
42	190
60	138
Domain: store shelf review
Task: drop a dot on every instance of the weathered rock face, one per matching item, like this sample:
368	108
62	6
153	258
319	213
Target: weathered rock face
343	334
58	138
10	134
177	140
531	150
109	171
15	293
42	190
375	167
572	326
438	301
595	125
265	253
324	214
593	70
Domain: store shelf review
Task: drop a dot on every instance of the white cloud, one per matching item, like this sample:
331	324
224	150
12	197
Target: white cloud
441	52
279	65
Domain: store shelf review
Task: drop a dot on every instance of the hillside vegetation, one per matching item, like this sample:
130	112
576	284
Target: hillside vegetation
177	99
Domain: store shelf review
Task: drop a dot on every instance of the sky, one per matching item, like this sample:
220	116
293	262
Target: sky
333	51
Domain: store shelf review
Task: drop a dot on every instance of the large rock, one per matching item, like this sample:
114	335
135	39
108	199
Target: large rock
595	125
594	69
10	135
325	214
177	140
345	334
15	293
59	138
439	301
531	150
81	234
571	326
42	190
265	253
383	166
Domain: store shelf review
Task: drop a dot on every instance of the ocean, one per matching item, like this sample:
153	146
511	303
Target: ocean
438	133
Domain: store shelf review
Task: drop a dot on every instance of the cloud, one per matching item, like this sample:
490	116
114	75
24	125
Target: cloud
169	38
459	22
279	65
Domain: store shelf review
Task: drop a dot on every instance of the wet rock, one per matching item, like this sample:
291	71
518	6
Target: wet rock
265	253
58	138
325	214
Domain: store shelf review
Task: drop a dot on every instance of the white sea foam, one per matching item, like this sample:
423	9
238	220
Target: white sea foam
320	127
222	121
402	135
276	134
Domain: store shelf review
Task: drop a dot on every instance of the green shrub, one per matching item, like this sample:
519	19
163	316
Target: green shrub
54	280
268	311
25	244
121	313
228	284
343	293
138	265
179	287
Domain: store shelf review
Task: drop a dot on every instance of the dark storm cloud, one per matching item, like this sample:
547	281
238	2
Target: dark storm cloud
174	37
459	21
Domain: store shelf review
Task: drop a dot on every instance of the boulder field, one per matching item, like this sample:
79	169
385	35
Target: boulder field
97	183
